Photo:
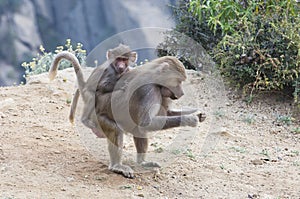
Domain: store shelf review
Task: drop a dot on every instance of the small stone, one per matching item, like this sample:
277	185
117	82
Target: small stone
2	115
70	179
139	187
257	162
155	187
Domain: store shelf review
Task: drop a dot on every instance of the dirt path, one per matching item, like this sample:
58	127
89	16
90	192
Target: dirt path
253	150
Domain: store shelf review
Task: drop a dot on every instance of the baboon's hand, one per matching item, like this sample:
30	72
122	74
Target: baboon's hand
189	120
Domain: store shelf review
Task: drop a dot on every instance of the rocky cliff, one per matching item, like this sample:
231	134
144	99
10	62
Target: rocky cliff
26	24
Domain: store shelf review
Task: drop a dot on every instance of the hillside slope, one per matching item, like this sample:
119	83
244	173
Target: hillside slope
253	154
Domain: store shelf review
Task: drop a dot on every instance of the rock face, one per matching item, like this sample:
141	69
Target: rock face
26	24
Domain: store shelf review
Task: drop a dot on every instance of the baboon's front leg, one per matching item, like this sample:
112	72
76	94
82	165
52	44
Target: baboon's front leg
201	116
175	112
165	122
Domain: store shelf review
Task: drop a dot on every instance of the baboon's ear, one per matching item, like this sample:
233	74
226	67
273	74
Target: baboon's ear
133	57
109	54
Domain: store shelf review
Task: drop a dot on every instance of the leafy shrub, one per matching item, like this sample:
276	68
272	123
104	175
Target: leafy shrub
256	44
263	50
43	61
195	26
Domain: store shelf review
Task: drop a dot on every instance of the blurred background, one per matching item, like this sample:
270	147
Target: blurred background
254	44
27	24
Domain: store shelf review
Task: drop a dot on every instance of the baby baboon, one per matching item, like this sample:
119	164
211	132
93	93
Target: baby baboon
106	76
141	107
118	61
120	58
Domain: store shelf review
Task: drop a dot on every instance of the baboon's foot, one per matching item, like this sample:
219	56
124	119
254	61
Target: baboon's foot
201	116
125	170
150	164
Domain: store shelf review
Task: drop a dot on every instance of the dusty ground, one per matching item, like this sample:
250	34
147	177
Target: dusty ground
240	151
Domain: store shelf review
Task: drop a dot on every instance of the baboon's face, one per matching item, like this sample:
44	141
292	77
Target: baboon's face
121	64
173	92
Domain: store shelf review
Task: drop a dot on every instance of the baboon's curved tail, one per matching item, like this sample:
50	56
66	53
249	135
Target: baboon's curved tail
75	63
74	106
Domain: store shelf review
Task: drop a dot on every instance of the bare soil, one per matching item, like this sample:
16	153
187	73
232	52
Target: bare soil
240	151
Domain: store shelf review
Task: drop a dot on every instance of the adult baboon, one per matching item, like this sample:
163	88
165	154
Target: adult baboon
142	106
139	104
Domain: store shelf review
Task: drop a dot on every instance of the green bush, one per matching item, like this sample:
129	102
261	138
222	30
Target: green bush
189	24
263	50
256	44
43	61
